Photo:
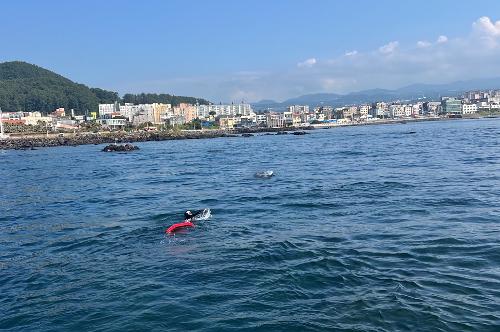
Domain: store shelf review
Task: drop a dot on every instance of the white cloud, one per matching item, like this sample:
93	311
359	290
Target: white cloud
474	55
307	63
487	32
423	44
389	48
486	26
442	39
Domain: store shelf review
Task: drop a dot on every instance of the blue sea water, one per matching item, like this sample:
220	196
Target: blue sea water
367	228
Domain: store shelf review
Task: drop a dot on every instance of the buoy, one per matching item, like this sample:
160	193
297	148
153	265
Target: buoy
179	225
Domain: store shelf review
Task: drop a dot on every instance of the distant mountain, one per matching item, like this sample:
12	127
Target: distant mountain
410	92
451	88
320	98
265	104
267	101
27	87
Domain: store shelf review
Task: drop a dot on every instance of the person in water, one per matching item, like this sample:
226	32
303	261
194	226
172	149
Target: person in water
188	215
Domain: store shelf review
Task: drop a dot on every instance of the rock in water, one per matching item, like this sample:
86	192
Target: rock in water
120	148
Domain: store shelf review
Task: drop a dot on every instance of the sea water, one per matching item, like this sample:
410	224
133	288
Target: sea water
368	228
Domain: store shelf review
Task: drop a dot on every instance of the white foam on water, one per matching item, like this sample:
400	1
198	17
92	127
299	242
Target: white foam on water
205	215
264	174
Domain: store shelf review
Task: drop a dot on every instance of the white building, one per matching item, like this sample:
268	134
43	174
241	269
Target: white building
380	110
417	109
145	114
247	120
408	110
66	124
33	118
260	119
203	111
175	120
396	111
129	111
494	107
275	120
114	123
242	109
379	113
350	112
381	105
153	113
294	119
469	108
106	109
431	108
288	118
298	109
363	111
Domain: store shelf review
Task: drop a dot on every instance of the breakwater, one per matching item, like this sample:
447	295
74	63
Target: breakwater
73	139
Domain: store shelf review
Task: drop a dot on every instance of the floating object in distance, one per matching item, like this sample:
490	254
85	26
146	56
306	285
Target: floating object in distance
178	226
264	174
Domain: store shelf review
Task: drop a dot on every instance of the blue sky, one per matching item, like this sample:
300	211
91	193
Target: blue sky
252	50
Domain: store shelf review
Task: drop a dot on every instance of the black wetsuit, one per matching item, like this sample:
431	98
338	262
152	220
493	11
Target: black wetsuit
189	217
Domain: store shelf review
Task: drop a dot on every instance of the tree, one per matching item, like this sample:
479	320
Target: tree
26	87
150	98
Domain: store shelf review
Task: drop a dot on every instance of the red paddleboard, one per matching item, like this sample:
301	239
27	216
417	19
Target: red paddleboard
179	225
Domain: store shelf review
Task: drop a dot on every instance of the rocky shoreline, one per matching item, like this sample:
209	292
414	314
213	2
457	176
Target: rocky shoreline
31	142
37	141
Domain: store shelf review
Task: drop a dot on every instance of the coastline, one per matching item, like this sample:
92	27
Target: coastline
33	141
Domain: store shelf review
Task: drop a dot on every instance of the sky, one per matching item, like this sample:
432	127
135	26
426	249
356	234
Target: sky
252	50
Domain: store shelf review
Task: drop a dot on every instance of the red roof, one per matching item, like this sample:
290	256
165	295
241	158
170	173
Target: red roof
13	121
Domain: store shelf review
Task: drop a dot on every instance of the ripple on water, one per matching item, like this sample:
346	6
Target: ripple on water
361	229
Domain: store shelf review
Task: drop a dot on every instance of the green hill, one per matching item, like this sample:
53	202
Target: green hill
27	87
